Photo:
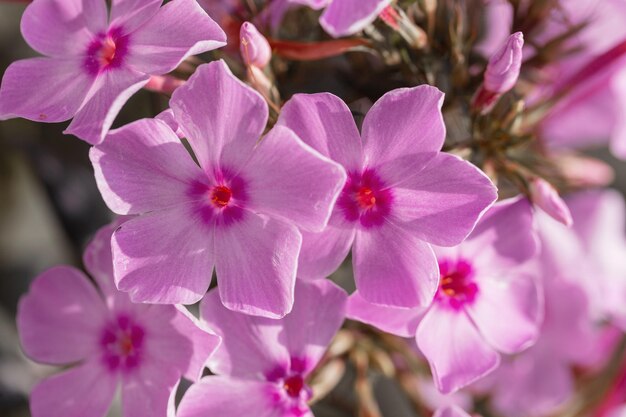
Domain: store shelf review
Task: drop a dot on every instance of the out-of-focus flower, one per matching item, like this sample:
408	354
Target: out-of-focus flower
402	193
486	303
145	349
94	62
451	411
262	364
543	194
246	197
255	49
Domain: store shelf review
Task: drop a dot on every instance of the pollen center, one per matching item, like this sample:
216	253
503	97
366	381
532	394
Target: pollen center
293	385
221	195
457	286
365	198
106	55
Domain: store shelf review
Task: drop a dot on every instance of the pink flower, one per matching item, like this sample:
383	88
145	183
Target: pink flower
94	62
451	411
239	210
402	193
255	49
486	301
262	364
64	320
543	194
504	66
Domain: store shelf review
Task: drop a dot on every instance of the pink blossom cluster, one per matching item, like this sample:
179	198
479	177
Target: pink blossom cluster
502	295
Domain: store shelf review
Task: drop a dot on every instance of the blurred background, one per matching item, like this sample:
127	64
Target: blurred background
50	207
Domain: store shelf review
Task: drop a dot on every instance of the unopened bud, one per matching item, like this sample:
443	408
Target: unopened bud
544	196
504	66
255	49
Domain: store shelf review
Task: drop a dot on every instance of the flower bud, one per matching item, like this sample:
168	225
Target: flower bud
255	49
504	66
547	199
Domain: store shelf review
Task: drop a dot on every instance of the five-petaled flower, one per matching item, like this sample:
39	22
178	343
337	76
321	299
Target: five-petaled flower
146	349
401	194
263	364
239	210
93	63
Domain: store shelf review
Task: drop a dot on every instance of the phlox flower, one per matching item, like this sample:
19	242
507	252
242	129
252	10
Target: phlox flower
239	210
263	364
486	301
108	341
94	62
401	195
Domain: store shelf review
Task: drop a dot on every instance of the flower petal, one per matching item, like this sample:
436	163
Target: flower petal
164	257
143	167
403	131
250	345
63	27
394	268
150	391
456	352
189	29
324	122
318	312
131	14
86	390
291	181
223	396
451	411
442	204
43	89
222	127
60	318
110	92
322	253
399	321
261	284
346	17
508	311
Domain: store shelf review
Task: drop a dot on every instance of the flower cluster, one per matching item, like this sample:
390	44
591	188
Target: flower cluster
439	189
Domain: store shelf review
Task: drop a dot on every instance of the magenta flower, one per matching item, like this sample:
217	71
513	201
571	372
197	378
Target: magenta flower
486	301
262	364
504	66
64	320
239	210
93	63
401	193
254	48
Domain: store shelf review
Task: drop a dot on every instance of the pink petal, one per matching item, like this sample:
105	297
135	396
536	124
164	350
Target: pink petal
451	411
62	27
508	311
223	126
291	181
324	122
150	391
456	352
142	167
261	284
346	17
322	253
60	318
189	29
504	238
204	343
250	345
43	89
132	14
318	313
164	257
399	321
110	92
86	390
442	204
394	268
98	259
403	131
167	116
223	396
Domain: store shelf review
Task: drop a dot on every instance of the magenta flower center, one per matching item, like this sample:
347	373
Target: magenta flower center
293	385
105	51
122	343
457	286
365	199
221	195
